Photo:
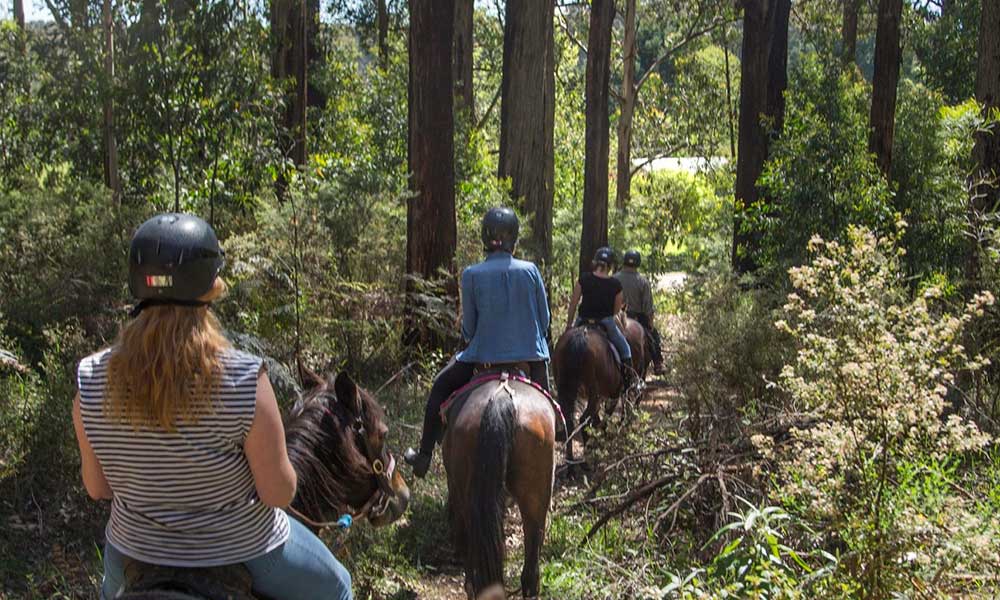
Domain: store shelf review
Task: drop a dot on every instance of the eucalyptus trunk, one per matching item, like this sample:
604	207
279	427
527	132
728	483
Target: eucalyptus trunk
523	115
887	58
629	94
758	15
594	233
431	231
464	90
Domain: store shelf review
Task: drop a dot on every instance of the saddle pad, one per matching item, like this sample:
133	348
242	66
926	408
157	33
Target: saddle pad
453	405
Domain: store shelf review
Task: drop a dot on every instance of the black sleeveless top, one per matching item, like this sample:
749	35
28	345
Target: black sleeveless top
598	296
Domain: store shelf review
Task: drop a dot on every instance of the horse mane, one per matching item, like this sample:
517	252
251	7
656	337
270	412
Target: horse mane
323	450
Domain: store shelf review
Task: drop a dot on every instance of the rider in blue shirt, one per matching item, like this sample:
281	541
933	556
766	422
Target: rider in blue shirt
505	318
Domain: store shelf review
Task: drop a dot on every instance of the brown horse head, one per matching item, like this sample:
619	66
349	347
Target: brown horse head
336	438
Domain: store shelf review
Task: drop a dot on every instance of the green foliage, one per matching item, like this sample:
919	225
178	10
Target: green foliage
870	381
931	157
820	177
946	44
675	220
755	562
725	359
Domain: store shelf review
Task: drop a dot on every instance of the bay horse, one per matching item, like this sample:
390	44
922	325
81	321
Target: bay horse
584	363
501	440
336	441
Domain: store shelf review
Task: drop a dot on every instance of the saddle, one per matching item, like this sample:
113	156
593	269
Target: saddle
229	582
454	404
596	326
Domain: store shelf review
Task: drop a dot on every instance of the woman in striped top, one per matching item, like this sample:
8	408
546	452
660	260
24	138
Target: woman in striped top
183	434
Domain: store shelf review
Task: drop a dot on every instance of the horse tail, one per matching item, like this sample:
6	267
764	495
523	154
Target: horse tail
486	539
571	366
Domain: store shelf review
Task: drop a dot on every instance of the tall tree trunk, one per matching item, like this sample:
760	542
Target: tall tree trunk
527	27
289	26
594	233
314	55
623	179
887	57
542	225
431	231
849	32
758	16
19	20
986	152
729	93
464	91
19	14
110	144
382	23
777	68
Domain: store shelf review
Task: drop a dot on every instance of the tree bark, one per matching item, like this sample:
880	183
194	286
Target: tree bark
849	32
777	68
314	55
594	233
758	15
985	197
464	91
19	14
111	178
887	57
382	23
431	231
527	29
290	27
542	225
623	179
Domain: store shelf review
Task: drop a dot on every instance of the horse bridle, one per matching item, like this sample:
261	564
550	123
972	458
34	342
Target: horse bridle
382	467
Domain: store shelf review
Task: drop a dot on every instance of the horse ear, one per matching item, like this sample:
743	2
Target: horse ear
347	393
310	379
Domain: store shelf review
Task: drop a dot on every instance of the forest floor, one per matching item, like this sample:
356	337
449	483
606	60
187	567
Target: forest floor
51	542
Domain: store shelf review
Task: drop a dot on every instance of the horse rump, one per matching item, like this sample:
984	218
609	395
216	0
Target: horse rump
488	508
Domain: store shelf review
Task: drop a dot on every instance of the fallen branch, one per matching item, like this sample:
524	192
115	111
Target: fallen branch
636	496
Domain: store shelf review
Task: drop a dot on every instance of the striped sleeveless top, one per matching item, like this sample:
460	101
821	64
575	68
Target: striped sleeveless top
184	498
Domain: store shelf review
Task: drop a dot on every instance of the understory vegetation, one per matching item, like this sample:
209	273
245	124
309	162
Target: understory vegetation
827	426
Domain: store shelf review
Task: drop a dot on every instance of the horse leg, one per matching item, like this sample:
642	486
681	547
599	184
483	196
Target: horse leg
531	486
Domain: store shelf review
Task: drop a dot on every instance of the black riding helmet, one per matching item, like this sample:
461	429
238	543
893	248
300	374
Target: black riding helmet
173	259
604	256
632	258
500	229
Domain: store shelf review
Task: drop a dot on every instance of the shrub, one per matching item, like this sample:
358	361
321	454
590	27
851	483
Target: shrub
869	381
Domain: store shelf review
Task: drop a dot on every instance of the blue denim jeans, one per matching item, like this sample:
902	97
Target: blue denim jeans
302	568
616	337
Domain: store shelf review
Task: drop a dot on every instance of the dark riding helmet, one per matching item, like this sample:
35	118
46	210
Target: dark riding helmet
500	229
632	258
173	257
604	256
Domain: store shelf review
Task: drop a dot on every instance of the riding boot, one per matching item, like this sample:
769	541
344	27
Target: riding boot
628	374
419	460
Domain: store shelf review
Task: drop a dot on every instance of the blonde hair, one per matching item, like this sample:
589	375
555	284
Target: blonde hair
165	364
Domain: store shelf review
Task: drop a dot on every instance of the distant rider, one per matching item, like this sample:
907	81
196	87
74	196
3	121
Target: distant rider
600	298
505	317
639	302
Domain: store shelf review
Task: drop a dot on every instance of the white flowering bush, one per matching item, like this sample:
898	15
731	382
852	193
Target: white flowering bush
869	381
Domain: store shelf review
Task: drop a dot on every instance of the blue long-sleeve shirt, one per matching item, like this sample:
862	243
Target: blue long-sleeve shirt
505	312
